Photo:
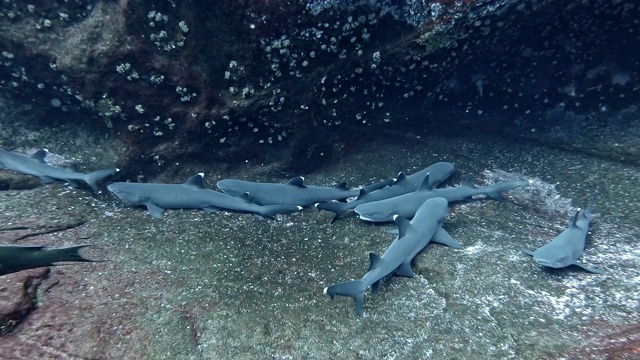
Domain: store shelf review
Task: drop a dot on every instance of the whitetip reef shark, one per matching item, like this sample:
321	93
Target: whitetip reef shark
437	173
294	192
14	258
412	237
406	205
566	248
190	195
35	165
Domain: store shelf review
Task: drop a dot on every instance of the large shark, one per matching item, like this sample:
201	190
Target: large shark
14	258
294	192
567	247
35	165
437	173
190	195
412	238
406	205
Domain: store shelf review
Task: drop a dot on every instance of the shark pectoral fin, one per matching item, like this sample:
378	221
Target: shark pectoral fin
442	237
589	269
47	179
527	251
211	209
154	210
405	270
376	286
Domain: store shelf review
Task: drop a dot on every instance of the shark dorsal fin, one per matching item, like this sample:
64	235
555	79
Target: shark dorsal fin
469	183
39	155
425	186
196	181
362	194
342	186
403	225
297	181
574	219
375	259
246	197
401	177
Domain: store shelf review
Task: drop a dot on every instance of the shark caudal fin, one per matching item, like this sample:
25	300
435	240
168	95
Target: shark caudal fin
354	289
71	253
495	191
94	177
269	211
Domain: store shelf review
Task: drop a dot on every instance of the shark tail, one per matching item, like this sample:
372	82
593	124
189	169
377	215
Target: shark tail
354	289
71	253
94	177
338	208
495	191
270	211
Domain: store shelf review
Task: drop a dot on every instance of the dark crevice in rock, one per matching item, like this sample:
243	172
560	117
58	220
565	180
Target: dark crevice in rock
27	303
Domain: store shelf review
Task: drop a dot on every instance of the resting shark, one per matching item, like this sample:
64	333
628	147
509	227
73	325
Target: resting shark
35	165
190	195
294	192
406	205
437	173
412	238
14	258
566	248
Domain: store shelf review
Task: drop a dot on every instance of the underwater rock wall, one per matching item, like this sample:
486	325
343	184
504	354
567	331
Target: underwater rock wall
300	82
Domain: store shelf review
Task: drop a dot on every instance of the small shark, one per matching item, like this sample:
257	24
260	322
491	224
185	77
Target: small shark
566	248
14	258
412	238
36	166
190	195
437	173
294	192
406	205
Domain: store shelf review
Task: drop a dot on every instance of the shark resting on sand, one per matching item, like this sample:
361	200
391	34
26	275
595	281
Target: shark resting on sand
412	237
406	205
36	166
437	173
190	195
14	258
567	247
294	192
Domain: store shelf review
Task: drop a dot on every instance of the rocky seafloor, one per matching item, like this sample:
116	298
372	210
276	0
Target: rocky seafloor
202	286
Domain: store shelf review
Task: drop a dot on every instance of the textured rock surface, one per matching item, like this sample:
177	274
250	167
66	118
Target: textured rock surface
299	81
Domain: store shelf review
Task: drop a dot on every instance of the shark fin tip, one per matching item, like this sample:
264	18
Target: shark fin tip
325	290
201	174
299	207
395	216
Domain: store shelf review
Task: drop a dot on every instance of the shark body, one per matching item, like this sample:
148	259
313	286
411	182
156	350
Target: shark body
294	192
437	173
566	248
35	165
406	205
412	238
190	195
14	258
